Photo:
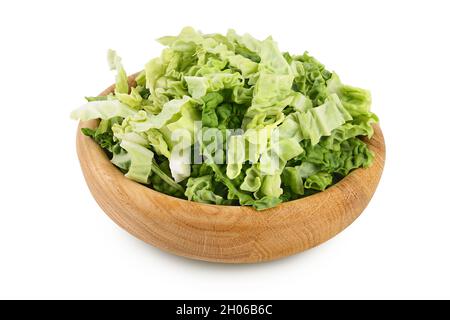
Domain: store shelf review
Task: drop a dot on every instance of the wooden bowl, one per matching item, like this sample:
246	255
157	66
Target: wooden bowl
229	234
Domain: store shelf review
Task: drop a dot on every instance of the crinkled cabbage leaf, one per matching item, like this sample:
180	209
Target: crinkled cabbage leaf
232	120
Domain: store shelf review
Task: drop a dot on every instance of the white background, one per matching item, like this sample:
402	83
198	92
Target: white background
55	242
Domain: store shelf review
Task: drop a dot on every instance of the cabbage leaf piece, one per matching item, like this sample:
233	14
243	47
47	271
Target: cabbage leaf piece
286	126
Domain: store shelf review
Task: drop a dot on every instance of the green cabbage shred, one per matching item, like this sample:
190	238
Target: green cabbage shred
291	127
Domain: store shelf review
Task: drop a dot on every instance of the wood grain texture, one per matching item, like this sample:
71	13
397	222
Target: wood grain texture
229	234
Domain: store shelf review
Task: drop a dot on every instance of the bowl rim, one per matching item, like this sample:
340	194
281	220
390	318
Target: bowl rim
356	173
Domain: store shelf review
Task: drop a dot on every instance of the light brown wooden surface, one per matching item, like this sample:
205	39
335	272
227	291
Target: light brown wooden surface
226	233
